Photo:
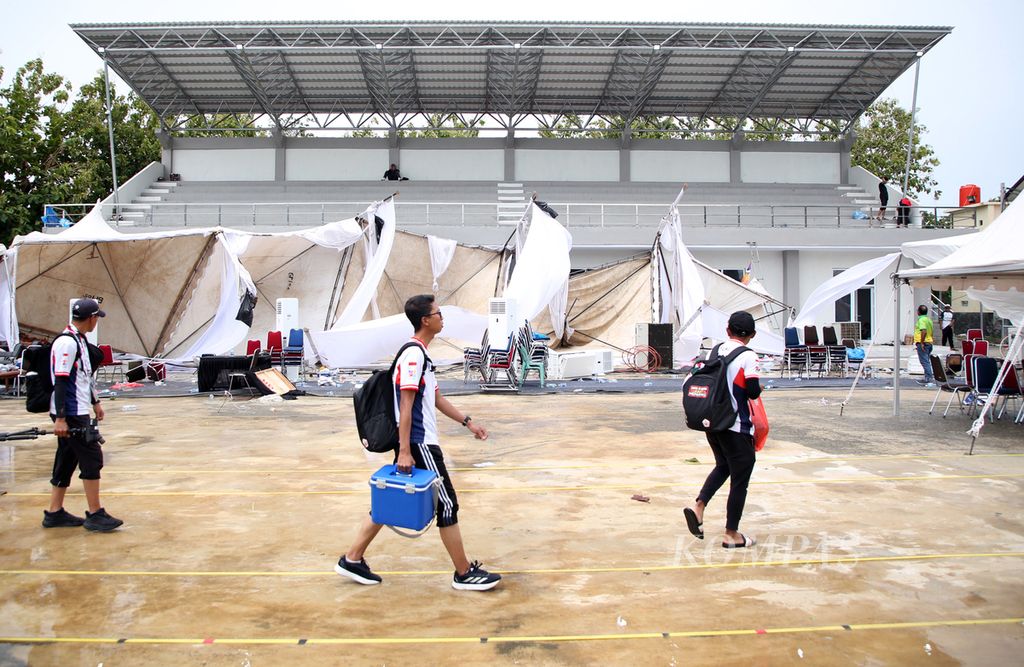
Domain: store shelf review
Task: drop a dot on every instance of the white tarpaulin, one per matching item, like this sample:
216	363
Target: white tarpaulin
1008	304
839	286
682	290
226	331
542	268
930	251
8	318
367	343
441	253
357	305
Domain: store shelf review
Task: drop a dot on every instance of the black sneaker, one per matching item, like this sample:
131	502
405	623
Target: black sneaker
60	519
101	521
475	579
359	572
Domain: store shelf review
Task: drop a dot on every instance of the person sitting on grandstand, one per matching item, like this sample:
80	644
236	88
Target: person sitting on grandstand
393	174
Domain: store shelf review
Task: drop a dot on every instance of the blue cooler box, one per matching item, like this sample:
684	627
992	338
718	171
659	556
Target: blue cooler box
405	501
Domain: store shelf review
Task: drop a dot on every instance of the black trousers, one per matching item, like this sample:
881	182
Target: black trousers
734	460
947	335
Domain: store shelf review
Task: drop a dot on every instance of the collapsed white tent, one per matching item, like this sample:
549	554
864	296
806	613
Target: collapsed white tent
470	278
173	294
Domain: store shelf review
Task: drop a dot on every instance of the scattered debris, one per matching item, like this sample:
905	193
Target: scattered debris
641	498
485	464
621	622
800	652
928	649
692	460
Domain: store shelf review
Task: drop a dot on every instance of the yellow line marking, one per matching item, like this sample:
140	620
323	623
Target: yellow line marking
909	625
583	466
537	489
839	560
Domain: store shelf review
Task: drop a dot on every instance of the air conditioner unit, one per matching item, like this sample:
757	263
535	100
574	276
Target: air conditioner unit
604	362
501	320
287	317
94	335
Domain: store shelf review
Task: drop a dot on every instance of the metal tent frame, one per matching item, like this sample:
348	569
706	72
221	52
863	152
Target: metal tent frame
509	76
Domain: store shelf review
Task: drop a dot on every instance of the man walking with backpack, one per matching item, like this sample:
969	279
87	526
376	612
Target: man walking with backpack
734	447
417	398
73	396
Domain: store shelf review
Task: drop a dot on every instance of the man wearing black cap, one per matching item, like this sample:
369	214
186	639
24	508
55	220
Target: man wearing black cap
733	449
73	396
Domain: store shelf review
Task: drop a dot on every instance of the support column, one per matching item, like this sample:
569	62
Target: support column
166	151
624	153
510	155
393	149
791	277
845	146
280	166
735	155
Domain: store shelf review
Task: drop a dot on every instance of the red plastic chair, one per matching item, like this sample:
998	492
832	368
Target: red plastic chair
274	346
981	347
252	346
108	363
973	334
968	347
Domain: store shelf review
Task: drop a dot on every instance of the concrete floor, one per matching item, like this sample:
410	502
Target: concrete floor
879	541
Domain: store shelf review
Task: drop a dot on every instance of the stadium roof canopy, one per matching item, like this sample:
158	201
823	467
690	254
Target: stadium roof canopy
366	74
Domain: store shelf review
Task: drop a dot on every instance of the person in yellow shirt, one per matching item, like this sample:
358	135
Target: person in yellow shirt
923	341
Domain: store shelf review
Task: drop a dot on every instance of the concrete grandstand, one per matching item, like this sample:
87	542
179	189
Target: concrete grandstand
792	210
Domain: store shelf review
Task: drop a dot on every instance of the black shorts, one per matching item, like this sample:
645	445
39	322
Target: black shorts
430	457
75	451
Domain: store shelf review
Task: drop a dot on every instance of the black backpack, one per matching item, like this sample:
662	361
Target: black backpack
707	397
38	385
374	404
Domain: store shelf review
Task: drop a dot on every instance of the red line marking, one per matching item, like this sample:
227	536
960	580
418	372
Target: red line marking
761	632
208	640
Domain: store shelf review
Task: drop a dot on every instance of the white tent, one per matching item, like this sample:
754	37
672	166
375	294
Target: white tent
991	268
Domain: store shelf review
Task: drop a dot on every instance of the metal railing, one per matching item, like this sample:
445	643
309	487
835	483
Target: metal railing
486	214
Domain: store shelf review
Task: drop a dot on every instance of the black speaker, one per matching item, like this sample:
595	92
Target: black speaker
659	337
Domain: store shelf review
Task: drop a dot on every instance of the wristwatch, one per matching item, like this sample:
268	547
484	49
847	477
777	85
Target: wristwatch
466	420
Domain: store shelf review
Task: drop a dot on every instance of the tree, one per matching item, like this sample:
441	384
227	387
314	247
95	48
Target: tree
881	148
199	126
32	171
53	150
87	141
441	124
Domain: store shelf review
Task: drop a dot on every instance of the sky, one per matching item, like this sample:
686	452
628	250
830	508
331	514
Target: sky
969	96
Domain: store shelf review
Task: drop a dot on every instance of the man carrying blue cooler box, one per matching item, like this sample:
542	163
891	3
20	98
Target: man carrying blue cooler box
417	400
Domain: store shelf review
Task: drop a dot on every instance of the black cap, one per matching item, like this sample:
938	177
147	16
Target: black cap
741	323
84	308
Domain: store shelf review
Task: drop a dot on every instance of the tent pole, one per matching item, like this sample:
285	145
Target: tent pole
913	116
896	346
173	313
110	131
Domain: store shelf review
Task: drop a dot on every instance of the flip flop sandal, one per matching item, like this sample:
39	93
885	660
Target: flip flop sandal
696	527
747	542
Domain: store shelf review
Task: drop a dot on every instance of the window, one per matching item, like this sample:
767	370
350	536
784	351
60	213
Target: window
858	307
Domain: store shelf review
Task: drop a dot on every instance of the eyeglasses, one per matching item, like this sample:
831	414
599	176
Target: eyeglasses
439	313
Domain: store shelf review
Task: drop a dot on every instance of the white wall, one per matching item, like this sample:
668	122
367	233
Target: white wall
335	164
452	165
243	164
679	166
789	167
567	165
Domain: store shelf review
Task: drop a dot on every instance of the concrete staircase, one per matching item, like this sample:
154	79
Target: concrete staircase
139	210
